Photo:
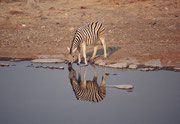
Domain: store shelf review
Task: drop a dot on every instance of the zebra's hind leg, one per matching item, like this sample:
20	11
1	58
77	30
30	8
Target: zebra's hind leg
94	54
104	46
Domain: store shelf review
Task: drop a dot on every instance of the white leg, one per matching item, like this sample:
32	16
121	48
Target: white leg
103	81
79	74
95	73
104	46
83	83
79	58
84	53
94	53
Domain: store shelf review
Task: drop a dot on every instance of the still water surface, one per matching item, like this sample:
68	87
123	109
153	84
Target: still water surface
30	95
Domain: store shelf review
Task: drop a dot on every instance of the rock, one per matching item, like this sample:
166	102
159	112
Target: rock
51	8
83	7
153	63
47	61
43	17
124	86
49	67
107	73
176	68
166	8
118	65
100	62
129	60
147	69
43	26
147	54
23	25
28	37
16	12
132	66
172	27
153	23
176	15
51	56
4	65
52	67
71	29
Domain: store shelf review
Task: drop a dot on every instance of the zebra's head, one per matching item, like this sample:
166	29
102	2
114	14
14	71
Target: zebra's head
73	54
72	72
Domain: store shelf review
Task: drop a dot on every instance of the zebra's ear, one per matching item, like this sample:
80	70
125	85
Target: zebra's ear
68	49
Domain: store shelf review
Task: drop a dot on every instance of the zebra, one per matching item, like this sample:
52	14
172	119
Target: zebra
90	34
87	90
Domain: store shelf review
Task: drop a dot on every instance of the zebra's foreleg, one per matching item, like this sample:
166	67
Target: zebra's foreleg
79	59
94	53
95	73
84	53
79	74
83	83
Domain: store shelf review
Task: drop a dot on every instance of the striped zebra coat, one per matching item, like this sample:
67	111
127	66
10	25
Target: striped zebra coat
87	90
91	34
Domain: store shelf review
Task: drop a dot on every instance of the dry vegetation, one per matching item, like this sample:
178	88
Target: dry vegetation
144	29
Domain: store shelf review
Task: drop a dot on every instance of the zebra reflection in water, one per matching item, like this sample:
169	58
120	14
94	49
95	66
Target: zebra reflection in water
87	90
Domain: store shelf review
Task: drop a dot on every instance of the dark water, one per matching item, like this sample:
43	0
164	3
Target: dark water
31	95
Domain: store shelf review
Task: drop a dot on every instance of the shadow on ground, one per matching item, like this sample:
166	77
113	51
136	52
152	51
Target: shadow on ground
110	51
100	52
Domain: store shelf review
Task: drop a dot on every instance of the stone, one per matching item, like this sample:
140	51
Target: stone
48	67
176	68
100	62
71	29
147	54
47	61
52	67
153	63
132	66
124	86
118	65
43	26
107	73
51	56
129	60
43	17
23	25
4	65
147	69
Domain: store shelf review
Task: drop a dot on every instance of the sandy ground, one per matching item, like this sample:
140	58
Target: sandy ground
145	30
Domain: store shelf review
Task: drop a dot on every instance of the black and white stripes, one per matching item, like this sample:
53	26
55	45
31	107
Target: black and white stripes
87	90
92	92
91	34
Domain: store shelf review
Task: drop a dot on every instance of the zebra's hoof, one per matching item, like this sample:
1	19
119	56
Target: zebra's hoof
86	64
91	61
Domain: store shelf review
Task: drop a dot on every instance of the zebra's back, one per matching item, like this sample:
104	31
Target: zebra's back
92	92
90	33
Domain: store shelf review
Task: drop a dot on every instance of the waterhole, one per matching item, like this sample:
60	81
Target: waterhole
60	94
